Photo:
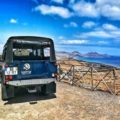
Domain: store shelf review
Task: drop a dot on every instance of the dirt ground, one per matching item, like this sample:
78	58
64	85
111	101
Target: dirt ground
69	103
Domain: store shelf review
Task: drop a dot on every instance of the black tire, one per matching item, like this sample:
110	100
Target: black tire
7	92
3	93
43	90
5	99
48	88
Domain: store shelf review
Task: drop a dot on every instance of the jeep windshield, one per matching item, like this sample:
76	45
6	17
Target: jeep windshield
42	53
29	48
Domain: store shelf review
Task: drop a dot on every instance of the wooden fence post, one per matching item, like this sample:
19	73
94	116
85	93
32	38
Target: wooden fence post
114	82
91	73
58	68
73	74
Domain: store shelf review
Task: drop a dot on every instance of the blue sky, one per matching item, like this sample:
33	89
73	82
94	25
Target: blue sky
75	25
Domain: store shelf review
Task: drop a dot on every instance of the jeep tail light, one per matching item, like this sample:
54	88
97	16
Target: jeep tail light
54	75
8	77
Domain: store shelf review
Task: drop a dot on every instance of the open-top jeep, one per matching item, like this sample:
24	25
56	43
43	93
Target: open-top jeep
28	62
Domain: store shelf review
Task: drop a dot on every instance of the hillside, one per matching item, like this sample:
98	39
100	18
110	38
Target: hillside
74	54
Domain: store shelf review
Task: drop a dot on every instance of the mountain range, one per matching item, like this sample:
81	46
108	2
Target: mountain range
63	54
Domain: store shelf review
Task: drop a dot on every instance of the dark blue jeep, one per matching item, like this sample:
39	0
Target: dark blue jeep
28	62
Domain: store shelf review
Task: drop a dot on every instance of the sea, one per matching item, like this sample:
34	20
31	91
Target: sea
112	61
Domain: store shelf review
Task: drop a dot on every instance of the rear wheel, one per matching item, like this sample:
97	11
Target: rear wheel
4	92
48	88
43	90
7	92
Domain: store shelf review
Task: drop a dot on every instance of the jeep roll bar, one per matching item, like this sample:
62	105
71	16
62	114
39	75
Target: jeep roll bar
27	42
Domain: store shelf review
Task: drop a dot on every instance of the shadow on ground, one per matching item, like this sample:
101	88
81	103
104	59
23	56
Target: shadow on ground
29	97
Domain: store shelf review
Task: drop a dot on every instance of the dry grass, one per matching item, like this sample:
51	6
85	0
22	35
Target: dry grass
71	103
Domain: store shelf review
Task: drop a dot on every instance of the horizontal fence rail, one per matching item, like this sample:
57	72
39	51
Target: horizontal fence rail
92	76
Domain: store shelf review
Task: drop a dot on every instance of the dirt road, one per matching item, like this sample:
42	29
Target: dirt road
69	103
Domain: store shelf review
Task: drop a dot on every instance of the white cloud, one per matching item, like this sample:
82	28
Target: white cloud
61	37
58	1
13	21
111	2
106	8
109	27
85	9
89	24
106	31
110	11
115	34
109	8
103	42
54	10
71	24
74	42
97	33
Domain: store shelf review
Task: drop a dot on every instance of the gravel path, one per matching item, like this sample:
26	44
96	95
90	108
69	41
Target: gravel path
69	103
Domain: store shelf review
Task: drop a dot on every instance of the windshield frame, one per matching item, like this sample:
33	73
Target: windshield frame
25	42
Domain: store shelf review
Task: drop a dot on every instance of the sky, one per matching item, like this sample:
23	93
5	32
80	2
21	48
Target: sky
74	25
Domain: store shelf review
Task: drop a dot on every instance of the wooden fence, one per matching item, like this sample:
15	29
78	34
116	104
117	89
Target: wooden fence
92	76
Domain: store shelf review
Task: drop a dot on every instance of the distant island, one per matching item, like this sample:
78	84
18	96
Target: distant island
74	54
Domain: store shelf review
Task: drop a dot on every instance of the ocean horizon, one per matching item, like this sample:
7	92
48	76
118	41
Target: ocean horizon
113	60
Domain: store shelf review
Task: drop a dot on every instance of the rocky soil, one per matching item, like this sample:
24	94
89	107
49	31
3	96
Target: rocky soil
69	103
